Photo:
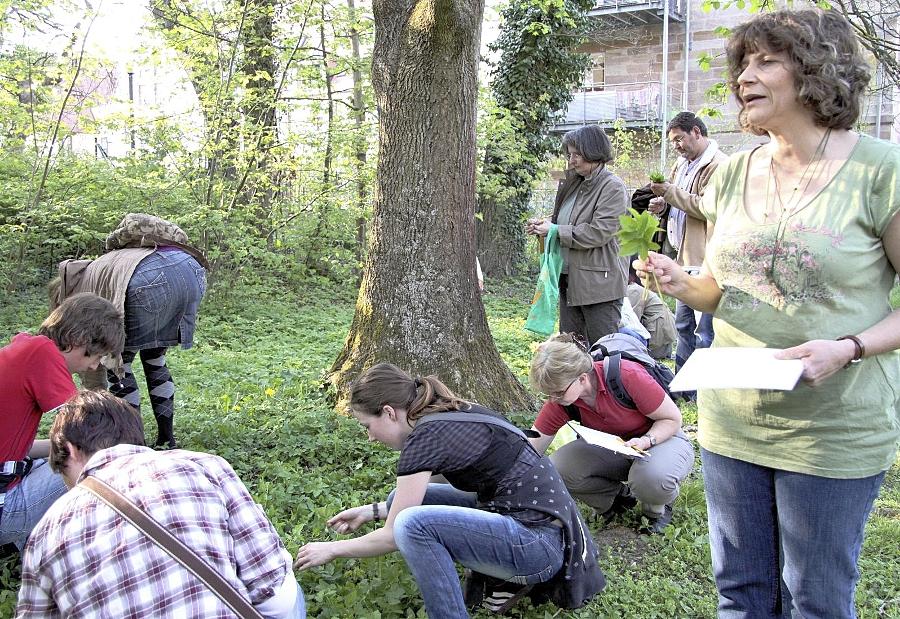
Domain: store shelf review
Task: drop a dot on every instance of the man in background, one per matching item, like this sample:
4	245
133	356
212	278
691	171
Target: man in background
686	228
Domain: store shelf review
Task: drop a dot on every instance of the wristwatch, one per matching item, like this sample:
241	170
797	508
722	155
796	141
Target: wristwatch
651	438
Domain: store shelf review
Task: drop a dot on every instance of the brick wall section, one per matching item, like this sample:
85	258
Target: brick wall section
634	54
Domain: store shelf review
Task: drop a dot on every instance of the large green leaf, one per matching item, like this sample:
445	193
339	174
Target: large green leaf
636	232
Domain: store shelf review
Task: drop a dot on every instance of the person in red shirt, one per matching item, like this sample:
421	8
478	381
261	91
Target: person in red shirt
35	379
607	481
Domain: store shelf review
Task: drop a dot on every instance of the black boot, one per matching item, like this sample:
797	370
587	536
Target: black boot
165	435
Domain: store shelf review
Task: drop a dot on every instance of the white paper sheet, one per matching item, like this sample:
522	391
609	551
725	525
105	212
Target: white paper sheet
737	368
607	441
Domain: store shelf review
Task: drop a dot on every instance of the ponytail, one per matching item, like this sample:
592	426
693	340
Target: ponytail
385	384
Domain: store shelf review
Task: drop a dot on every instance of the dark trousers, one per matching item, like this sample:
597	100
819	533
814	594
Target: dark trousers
589	321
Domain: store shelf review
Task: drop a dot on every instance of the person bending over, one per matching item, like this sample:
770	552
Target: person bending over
505	512
609	482
157	279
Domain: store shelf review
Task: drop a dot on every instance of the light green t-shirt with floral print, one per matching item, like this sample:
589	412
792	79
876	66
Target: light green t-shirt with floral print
827	276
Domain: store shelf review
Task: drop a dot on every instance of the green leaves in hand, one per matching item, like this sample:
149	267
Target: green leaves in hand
636	233
657	177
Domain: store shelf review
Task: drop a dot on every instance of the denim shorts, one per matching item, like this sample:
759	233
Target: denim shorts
162	300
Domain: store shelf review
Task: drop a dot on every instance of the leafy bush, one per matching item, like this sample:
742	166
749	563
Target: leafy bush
85	198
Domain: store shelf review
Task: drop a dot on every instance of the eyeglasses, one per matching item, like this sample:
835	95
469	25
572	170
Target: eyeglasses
571	156
559	395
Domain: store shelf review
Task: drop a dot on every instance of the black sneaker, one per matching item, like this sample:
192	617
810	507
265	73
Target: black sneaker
493	594
504	596
8	550
473	588
656	525
623	502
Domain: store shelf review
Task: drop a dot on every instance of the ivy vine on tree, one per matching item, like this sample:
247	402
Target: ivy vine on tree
531	82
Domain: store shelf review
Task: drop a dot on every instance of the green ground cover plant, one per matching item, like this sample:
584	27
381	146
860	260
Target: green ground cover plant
251	391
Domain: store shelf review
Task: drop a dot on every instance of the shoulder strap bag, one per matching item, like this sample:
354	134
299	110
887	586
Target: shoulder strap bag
474	417
173	546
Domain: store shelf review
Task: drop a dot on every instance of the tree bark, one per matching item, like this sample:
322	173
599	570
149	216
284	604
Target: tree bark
314	249
418	304
258	106
359	139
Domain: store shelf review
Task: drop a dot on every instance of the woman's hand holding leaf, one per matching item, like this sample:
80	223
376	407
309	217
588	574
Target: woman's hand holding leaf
636	232
662	274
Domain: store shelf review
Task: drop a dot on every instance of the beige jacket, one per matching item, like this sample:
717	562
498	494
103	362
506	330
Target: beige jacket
656	317
595	271
692	248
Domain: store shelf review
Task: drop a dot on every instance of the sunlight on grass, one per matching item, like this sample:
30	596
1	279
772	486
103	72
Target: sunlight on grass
251	390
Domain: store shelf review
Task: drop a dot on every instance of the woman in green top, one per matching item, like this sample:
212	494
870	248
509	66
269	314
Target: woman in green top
805	251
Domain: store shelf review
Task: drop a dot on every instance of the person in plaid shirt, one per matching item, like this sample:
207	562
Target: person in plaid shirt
84	560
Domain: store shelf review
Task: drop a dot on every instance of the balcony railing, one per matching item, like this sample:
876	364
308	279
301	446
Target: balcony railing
635	12
635	103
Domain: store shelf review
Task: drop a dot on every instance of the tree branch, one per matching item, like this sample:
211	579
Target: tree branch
62	109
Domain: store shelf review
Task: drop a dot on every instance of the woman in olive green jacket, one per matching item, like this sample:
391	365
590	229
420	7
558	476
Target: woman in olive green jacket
588	205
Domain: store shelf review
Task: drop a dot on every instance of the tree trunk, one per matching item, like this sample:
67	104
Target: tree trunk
359	139
316	242
258	107
501	240
418	304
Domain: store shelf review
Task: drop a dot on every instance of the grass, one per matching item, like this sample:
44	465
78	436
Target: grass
251	391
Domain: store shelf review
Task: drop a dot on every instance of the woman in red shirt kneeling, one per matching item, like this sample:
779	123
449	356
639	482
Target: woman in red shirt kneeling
607	481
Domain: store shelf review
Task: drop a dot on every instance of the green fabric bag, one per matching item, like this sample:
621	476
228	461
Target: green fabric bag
543	313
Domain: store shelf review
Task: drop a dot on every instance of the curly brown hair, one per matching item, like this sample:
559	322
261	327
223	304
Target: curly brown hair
831	74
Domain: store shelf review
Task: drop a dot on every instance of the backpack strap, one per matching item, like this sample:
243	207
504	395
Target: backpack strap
469	416
573	412
612	375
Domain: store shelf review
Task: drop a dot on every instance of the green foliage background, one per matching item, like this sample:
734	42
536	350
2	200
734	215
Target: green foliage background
281	215
251	391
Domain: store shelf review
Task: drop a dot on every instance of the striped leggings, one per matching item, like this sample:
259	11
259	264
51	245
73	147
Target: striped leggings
159	384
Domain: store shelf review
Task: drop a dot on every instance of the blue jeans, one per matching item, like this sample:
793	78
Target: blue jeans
448	529
162	300
27	502
691	334
784	544
299	610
